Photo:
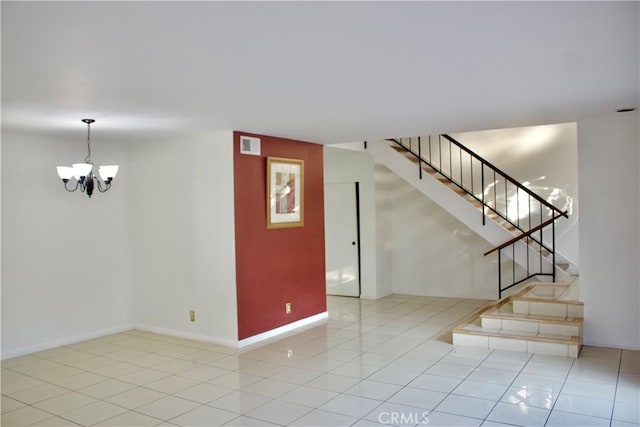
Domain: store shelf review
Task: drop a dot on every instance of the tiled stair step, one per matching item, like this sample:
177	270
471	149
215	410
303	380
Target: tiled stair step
545	299
499	327
475	335
503	318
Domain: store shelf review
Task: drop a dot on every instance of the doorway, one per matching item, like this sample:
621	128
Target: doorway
342	238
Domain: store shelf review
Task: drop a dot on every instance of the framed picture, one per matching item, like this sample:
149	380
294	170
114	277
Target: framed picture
285	192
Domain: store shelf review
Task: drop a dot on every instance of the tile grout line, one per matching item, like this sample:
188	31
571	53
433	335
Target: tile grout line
564	382
615	392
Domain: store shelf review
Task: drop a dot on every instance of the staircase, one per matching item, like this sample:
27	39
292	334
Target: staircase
538	316
525	221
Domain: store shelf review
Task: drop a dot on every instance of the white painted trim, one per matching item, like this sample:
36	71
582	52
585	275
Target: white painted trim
65	341
598	343
283	329
170	332
186	335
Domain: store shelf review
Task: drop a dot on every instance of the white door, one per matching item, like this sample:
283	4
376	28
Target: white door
341	239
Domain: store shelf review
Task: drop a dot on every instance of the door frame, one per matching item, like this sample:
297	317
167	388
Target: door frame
358	238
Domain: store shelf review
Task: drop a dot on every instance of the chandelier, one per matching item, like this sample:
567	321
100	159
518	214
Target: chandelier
85	180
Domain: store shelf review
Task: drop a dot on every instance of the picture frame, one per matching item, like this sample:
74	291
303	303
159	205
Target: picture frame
285	192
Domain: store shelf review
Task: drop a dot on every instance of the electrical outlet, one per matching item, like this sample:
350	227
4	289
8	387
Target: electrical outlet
192	315
287	308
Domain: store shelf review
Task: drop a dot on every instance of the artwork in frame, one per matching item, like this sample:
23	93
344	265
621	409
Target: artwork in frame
285	192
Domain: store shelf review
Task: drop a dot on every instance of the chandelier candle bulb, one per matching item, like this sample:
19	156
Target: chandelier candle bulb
86	181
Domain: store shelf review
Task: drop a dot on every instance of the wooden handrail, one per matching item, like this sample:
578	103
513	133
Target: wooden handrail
522	236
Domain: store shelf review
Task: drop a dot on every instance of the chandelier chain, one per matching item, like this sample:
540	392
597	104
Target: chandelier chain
88	158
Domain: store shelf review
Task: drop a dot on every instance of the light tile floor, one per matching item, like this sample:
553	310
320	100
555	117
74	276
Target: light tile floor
383	362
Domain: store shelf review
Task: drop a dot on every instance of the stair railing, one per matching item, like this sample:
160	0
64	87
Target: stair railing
500	196
534	266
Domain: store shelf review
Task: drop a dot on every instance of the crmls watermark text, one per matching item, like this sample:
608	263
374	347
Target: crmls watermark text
403	418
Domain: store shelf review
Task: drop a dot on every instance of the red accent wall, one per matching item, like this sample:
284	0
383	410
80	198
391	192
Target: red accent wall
276	266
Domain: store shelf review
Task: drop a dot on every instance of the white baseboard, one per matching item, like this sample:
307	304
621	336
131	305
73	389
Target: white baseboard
64	341
609	345
165	331
283	329
186	335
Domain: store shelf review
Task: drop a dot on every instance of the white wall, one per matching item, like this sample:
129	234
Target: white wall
66	259
384	182
608	159
430	252
343	165
183	237
546	157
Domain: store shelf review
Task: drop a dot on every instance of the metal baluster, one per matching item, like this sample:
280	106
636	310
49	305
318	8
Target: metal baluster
495	187
530	227
527	244
506	200
450	162
440	152
553	247
484	219
500	274
420	157
471	167
461	180
518	207
513	263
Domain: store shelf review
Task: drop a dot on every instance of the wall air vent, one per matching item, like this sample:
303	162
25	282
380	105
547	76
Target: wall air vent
249	145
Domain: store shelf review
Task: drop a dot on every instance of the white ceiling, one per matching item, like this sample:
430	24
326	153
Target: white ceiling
324	72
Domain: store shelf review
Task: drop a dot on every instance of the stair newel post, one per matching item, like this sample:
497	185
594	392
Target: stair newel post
420	157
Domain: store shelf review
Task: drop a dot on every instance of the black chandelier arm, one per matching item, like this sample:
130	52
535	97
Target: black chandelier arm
107	185
66	187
